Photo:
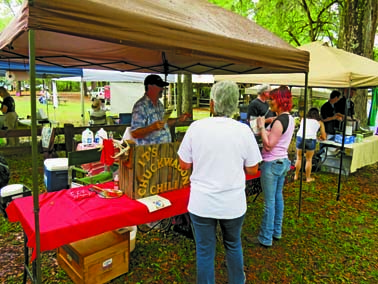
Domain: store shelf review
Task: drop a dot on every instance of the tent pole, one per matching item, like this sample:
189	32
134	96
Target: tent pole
82	100
35	188
303	145
342	151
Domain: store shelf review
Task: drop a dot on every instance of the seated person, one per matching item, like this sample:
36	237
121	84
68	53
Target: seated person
97	114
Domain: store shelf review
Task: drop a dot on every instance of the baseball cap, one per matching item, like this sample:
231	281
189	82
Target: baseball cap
155	80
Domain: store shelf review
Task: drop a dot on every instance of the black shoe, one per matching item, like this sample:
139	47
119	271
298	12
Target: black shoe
257	242
276	239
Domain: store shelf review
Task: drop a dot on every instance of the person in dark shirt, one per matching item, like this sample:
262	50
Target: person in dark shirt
8	108
329	115
260	106
340	105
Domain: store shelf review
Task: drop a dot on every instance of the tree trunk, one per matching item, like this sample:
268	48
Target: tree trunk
187	95
357	33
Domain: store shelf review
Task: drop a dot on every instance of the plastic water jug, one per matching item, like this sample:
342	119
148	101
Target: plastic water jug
100	136
87	137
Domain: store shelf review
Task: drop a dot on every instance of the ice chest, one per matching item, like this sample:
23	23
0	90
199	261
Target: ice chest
98	259
11	192
56	174
347	139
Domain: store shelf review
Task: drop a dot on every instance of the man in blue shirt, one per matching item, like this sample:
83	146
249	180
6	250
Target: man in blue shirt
148	125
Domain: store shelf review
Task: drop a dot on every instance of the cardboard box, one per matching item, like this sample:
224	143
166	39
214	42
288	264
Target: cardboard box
56	174
98	259
151	169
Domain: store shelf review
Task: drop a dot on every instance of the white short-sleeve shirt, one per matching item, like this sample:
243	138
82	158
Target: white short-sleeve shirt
219	148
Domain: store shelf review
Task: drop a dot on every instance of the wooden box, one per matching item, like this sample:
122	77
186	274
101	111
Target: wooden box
151	169
98	259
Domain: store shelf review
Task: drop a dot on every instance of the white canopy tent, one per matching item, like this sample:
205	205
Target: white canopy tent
329	67
93	75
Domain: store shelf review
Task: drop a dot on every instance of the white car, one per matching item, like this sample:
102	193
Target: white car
98	93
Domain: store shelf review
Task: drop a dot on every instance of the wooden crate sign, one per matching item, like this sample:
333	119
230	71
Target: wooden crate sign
152	169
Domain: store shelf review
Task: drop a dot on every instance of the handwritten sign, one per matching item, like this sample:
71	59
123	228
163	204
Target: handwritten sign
152	169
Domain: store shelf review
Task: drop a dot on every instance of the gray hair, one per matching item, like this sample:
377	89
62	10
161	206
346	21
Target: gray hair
225	95
263	88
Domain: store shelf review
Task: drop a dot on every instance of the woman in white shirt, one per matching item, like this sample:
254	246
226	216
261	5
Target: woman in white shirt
220	150
313	125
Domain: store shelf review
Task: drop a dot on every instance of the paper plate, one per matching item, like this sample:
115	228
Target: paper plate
102	194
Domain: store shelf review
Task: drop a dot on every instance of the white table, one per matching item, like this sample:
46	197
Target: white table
357	155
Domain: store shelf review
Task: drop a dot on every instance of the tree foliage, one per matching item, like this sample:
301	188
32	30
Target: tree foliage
244	8
8	9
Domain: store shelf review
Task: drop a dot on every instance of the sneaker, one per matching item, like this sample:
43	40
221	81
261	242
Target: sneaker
257	242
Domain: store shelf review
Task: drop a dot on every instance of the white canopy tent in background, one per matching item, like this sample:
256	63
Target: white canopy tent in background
330	67
93	75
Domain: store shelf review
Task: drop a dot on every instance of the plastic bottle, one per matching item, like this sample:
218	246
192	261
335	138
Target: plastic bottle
97	139
87	137
110	135
116	182
100	135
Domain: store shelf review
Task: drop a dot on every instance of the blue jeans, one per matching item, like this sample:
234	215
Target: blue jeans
272	181
205	236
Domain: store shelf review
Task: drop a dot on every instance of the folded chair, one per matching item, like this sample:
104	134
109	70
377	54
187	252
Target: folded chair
78	158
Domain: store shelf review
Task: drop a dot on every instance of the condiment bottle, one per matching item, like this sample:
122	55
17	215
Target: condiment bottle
116	182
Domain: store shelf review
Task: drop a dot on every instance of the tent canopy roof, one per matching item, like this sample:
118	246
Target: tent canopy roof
329	67
189	36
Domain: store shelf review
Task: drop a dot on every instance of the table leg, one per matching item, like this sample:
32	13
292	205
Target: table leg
27	271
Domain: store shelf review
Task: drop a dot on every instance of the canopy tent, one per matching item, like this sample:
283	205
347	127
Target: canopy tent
188	36
92	75
329	67
191	36
42	71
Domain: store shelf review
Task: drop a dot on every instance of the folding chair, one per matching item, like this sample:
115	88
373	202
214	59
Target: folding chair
47	143
78	158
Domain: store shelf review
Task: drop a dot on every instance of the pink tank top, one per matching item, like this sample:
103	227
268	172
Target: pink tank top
280	150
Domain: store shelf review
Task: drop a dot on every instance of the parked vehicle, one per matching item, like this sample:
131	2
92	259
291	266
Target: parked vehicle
98	93
101	93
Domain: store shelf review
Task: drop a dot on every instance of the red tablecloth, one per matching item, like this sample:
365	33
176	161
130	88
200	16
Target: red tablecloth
64	220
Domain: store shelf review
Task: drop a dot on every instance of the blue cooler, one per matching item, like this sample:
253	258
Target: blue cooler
56	174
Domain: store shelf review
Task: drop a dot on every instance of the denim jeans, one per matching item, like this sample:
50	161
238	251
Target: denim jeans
205	236
272	181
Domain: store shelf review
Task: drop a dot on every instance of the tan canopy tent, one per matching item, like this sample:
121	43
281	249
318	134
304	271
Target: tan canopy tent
329	67
165	36
191	36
